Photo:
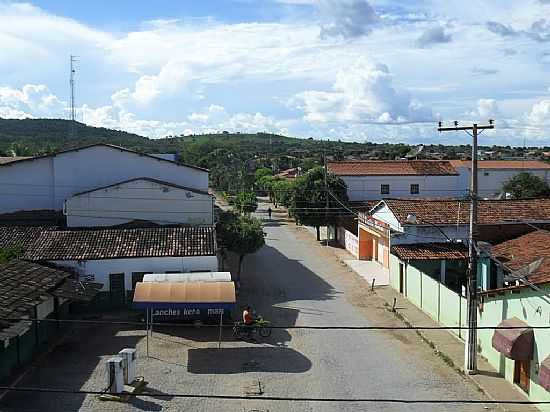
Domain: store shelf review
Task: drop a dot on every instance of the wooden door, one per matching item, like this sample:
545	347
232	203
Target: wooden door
521	374
117	289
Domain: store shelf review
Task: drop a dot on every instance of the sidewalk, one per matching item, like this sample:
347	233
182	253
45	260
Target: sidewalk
448	347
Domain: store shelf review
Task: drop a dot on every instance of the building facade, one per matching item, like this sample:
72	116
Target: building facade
44	183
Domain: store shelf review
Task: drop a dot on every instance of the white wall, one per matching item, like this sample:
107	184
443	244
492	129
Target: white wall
46	183
490	181
102	268
429	234
368	187
140	199
27	185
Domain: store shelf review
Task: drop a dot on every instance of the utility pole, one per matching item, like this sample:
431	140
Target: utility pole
72	133
470	349
326	193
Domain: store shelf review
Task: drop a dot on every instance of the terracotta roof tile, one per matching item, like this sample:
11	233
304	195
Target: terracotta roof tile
20	236
430	251
518	253
124	243
453	211
503	164
392	167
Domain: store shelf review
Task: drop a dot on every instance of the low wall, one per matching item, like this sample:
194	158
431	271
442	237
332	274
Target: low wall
440	303
349	241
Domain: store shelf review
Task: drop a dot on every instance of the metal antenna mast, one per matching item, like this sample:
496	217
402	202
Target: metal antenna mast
470	353
72	84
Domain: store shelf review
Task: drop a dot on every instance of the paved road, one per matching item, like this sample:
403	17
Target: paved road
291	281
294	280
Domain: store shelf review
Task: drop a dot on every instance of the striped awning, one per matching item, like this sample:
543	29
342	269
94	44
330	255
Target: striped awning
154	295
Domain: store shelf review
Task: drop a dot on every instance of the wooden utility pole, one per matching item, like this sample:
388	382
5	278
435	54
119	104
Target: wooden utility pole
470	349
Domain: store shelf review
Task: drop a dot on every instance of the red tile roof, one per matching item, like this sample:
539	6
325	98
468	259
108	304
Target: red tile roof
503	164
518	253
20	236
453	211
430	251
392	167
95	244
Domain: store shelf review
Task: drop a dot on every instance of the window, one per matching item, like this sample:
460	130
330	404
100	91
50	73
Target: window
485	173
137	277
384	189
415	189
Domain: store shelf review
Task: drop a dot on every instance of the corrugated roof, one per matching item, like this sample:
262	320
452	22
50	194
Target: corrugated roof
184	292
431	251
124	243
503	164
392	167
454	211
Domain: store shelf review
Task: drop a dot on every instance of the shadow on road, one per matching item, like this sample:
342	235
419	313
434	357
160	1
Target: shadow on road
246	359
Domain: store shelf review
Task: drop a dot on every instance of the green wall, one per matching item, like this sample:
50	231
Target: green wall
533	308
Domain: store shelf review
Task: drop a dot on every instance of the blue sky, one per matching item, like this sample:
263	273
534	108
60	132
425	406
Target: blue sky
356	70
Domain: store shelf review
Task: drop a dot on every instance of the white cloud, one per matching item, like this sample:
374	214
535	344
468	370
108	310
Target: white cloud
486	109
540	114
432	36
362	93
31	98
346	18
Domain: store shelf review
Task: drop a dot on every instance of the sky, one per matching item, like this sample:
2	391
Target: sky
354	70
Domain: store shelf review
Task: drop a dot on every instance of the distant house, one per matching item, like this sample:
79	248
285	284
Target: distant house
143	199
377	179
493	174
37	291
118	258
289	173
45	182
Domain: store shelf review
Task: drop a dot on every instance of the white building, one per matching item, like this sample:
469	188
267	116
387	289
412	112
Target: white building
45	182
118	258
140	199
493	174
377	179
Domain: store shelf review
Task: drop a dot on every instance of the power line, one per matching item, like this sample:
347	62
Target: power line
275	398
305	327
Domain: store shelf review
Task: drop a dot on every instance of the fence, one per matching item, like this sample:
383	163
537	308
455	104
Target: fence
440	303
349	241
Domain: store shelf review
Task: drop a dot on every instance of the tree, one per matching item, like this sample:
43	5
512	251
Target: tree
525	185
309	199
10	253
246	202
241	235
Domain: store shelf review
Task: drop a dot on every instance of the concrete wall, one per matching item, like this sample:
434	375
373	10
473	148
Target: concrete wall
533	308
429	234
368	187
435	299
140	199
102	268
46	183
27	185
349	241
